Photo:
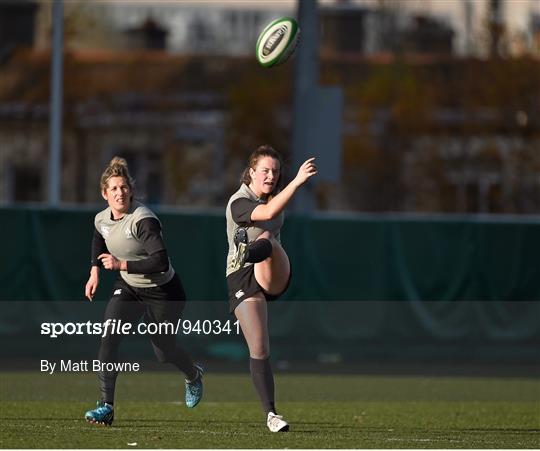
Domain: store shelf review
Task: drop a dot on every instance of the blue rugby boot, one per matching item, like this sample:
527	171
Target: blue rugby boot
102	414
194	388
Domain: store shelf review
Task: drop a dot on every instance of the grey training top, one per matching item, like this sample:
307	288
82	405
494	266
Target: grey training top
238	214
123	242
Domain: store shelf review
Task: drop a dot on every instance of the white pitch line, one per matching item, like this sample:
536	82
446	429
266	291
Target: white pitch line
180	403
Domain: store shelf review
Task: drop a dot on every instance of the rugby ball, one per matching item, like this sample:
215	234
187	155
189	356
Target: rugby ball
277	41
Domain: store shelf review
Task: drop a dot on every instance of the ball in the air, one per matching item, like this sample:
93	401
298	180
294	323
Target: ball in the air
277	41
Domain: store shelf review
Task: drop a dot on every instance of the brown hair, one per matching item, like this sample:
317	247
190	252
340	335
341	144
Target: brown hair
263	151
117	168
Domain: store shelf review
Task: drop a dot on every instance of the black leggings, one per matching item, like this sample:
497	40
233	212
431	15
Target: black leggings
160	304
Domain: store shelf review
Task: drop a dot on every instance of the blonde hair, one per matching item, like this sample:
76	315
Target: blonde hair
117	168
262	151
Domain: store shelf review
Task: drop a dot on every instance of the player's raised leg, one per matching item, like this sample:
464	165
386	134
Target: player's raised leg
274	272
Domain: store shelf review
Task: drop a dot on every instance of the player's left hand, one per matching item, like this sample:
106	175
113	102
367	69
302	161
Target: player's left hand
110	262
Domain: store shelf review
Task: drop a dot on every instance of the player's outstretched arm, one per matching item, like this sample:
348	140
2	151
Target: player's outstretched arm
275	206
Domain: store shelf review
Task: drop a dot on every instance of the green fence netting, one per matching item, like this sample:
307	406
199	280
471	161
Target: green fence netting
363	286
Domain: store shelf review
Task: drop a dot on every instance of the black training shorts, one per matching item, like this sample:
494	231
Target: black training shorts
242	284
158	304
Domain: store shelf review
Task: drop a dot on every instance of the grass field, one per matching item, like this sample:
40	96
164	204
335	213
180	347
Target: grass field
330	411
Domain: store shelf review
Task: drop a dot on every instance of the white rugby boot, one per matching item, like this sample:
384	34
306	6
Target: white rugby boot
276	423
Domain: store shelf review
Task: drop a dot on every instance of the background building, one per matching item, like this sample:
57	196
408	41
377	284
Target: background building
440	133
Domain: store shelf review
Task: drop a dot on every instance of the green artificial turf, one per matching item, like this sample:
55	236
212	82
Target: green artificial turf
330	411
